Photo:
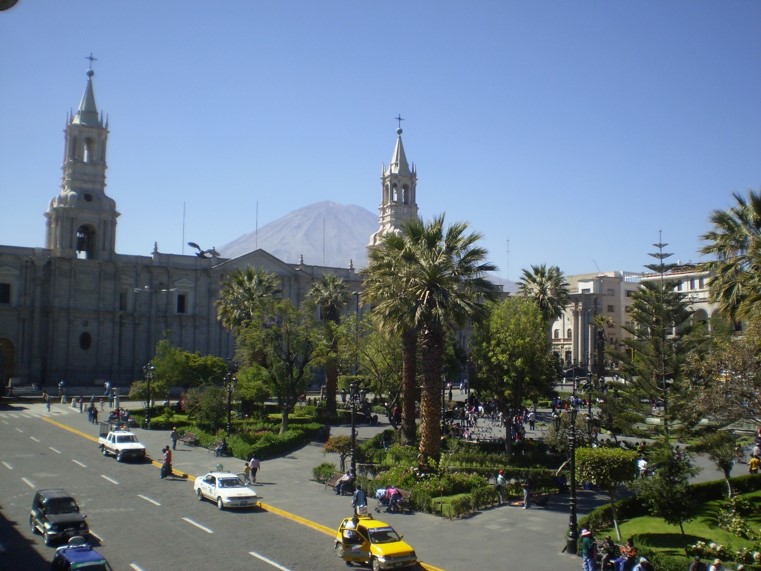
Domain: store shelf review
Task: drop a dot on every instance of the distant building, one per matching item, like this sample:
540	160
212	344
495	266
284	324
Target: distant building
609	294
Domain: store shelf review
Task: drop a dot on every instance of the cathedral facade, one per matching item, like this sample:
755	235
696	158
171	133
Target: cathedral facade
77	311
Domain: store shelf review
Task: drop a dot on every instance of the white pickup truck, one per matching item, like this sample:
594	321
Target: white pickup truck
122	444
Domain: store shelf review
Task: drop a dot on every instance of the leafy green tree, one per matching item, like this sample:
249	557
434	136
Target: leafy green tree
608	468
394	310
620	410
512	355
667	494
735	241
205	369
207	405
330	293
720	447
242	294
548	287
660	340
728	371
251	389
341	445
283	341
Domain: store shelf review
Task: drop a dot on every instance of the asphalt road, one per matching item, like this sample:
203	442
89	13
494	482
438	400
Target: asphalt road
139	521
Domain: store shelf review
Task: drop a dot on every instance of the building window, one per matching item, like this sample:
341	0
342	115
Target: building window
586	290
611	309
679	286
5	293
568	334
702	283
123	301
556	334
182	301
85	341
611	292
629	293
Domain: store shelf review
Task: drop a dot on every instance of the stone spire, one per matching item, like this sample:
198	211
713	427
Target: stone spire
398	190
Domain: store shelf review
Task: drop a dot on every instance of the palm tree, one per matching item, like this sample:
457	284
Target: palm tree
442	275
394	312
242	294
548	288
735	241
331	295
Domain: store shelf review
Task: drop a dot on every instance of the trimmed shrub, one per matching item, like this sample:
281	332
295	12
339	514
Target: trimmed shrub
323	472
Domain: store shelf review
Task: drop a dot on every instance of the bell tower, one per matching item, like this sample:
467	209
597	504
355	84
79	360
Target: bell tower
81	219
398	188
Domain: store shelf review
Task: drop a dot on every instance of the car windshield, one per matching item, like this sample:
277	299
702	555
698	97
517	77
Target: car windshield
126	438
67	506
230	483
383	535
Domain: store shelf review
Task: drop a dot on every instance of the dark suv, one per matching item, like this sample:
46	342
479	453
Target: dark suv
55	514
81	556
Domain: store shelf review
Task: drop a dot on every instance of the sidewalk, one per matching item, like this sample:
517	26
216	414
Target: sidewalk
502	537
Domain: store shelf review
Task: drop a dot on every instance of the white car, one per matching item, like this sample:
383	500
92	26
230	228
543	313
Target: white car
226	489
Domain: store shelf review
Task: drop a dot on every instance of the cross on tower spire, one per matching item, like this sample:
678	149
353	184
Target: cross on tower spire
91	58
399	118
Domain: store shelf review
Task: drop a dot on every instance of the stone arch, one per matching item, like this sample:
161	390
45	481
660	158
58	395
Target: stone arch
85	242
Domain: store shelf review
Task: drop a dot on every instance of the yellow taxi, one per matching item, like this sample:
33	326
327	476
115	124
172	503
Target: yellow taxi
366	540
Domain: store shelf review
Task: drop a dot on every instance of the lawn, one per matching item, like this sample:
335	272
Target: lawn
667	539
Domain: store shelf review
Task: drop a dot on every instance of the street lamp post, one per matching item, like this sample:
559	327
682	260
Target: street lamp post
353	404
572	522
230	381
148	370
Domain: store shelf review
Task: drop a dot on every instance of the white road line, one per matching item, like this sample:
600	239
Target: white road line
7	465
35	439
19	430
268	561
198	525
147	499
109	479
54	450
28	483
136	567
79	463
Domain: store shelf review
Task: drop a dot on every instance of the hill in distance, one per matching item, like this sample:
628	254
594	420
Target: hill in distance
325	233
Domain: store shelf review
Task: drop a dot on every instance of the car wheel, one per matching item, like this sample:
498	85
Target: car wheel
375	564
104	451
199	494
220	505
46	538
119	457
31	524
338	548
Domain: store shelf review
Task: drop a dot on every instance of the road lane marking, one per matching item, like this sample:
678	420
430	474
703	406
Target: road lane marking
54	450
7	465
147	499
268	561
19	430
4	422
136	567
28	483
79	463
198	525
109	479
35	439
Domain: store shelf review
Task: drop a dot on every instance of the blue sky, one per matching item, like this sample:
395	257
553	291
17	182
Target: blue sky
575	130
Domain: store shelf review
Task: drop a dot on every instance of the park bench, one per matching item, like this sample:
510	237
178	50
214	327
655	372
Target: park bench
189	438
333	482
212	448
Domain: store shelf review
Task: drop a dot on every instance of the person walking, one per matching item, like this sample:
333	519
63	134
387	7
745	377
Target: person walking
247	472
173	437
47	401
588	549
166	467
526	494
359	501
254	464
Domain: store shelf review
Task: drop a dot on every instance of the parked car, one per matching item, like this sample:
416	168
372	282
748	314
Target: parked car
79	555
56	515
226	489
373	542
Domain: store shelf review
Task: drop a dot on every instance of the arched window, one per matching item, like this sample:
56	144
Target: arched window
405	195
88	150
85	243
394	193
556	334
569	333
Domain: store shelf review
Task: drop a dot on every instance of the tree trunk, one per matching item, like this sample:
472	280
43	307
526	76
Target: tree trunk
409	388
612	494
284	420
430	400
